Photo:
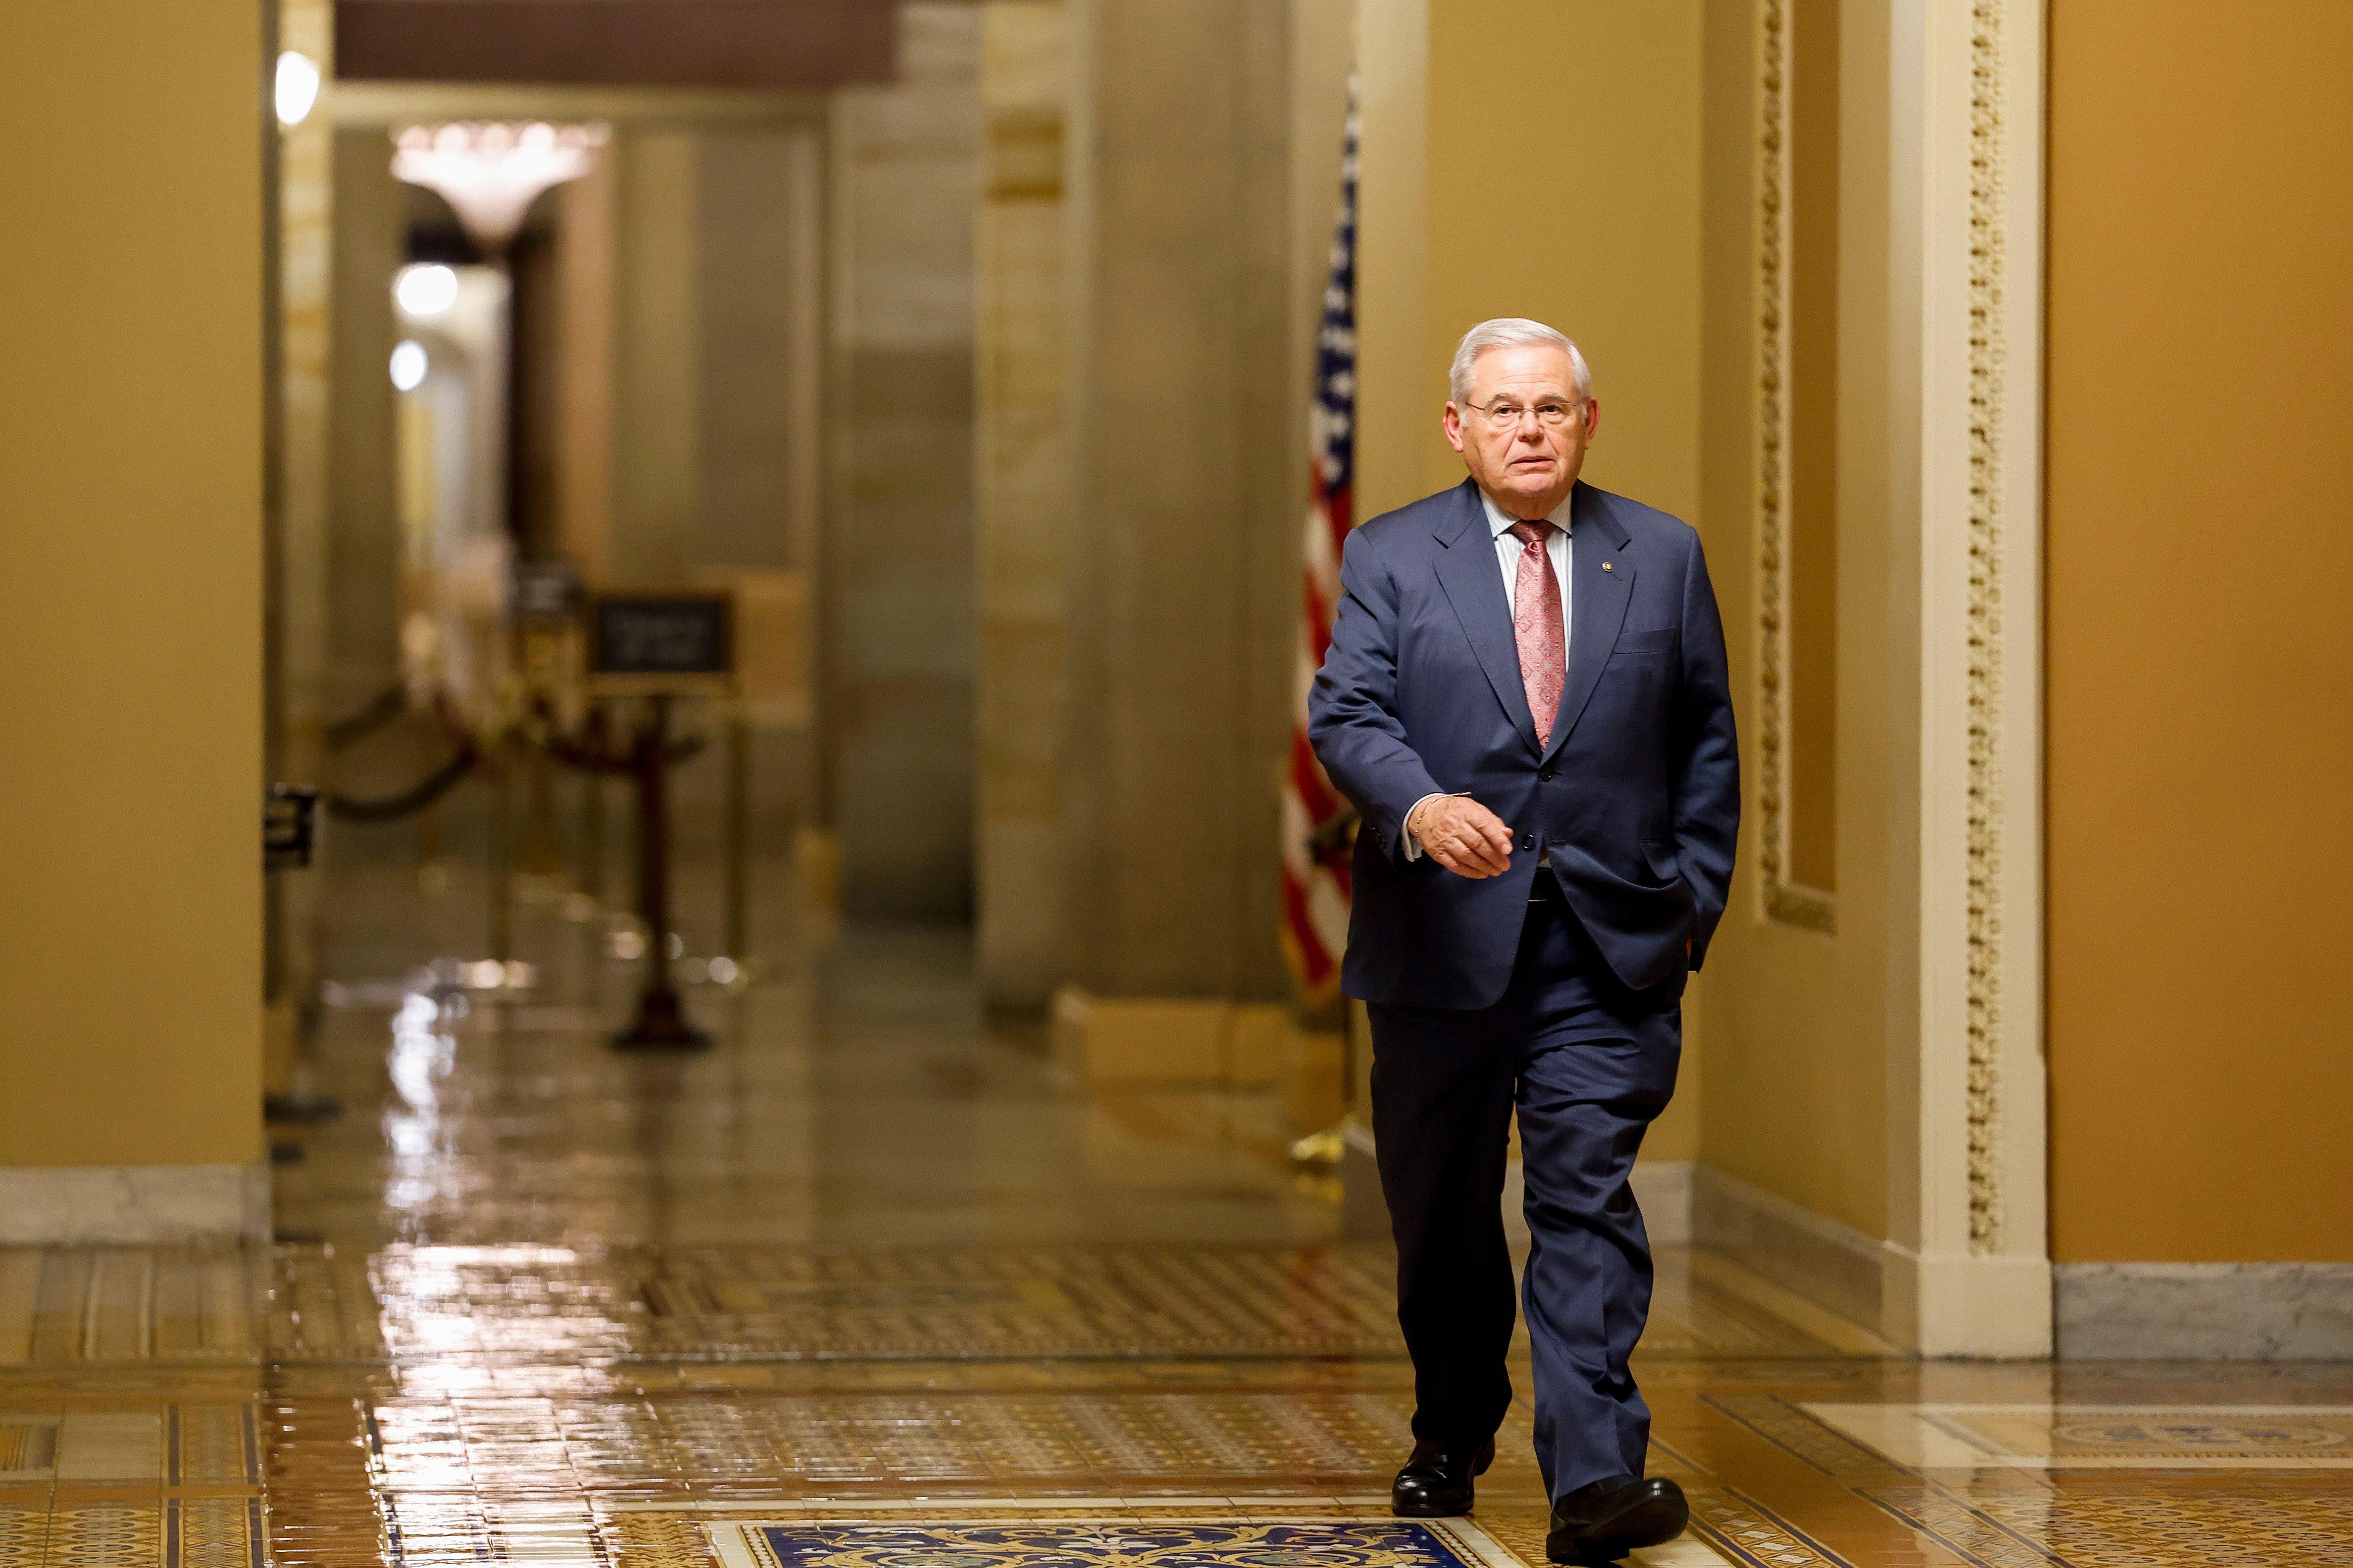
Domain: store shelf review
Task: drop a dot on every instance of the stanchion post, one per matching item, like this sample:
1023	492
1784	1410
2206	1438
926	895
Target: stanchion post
592	835
501	855
659	646
429	820
661	1023
739	835
543	849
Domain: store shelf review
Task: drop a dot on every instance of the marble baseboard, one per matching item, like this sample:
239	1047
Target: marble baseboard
1663	1189
2205	1312
1832	1265
132	1205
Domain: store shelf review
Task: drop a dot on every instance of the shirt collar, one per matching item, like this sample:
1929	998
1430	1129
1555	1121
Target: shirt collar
1499	521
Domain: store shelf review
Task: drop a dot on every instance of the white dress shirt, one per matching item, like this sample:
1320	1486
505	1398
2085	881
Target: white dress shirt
1507	560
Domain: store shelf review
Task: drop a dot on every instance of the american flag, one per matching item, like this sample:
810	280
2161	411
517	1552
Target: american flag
1318	825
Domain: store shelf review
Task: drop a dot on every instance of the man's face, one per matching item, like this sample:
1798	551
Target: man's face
1527	465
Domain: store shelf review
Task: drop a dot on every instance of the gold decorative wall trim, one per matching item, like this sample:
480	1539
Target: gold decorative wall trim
1783	900
1989	217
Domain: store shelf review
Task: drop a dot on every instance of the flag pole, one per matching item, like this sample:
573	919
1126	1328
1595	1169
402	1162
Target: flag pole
1319	825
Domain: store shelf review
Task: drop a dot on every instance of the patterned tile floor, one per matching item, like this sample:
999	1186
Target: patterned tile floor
870	1286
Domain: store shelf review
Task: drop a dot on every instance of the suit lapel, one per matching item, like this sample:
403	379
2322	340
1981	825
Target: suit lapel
1597	604
1474	586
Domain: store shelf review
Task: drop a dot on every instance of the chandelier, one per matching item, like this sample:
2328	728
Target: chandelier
490	171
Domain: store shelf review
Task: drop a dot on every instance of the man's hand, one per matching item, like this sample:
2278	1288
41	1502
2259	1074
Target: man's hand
1462	835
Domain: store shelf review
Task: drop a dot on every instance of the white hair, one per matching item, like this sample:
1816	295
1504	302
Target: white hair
1513	333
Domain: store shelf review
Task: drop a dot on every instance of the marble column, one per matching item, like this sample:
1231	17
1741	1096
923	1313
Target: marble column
896	635
1153	241
306	257
1189	482
363	540
658	379
1022	513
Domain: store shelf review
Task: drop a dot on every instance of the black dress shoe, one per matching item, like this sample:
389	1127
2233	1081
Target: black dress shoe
1436	1484
1601	1523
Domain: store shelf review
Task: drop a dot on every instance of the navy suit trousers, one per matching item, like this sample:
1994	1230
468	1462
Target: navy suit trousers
1589	1063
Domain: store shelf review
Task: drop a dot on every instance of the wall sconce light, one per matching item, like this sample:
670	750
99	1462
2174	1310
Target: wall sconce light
408	365
297	88
425	289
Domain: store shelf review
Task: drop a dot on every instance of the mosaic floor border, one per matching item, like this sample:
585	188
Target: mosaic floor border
851	1510
2045	1435
1743	1531
1144	1532
316	1304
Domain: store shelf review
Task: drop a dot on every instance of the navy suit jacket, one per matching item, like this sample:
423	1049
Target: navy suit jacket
1637	798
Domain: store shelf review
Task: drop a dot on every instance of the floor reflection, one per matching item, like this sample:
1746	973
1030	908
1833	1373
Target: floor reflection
857	1095
871	1284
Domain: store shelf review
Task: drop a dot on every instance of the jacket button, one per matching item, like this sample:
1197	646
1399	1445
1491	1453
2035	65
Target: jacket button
1528	841
1544	775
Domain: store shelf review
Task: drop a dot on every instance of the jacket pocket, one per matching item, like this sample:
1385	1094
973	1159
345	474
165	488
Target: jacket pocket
1665	863
1661	640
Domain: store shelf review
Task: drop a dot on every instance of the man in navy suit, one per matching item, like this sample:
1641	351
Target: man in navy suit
1526	700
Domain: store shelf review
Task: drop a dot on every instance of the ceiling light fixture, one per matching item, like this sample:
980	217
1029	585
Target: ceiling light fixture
489	172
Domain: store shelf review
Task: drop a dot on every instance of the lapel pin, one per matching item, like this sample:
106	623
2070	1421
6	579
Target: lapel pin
1605	566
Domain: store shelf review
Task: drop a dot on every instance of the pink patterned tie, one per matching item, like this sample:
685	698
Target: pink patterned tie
1535	625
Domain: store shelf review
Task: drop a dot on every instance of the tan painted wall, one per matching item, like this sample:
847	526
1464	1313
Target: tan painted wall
1398	394
1587	217
1644	248
2201	681
130	606
1800	1030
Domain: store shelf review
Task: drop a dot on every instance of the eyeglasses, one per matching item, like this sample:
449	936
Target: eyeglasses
1551	413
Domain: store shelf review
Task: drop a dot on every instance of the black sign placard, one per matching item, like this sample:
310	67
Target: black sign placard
670	634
